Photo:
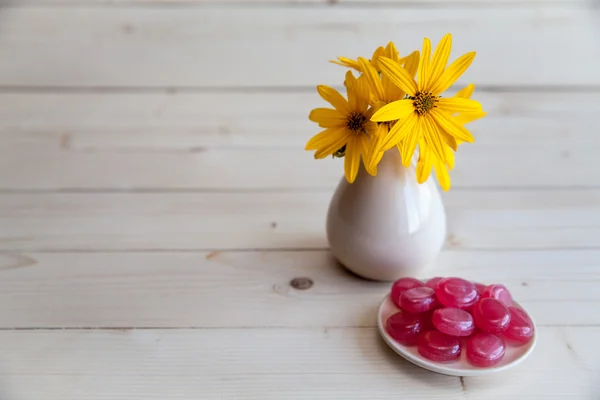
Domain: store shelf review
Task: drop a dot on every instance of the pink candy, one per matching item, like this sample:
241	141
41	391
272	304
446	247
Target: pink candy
432	283
441	315
401	285
456	292
520	329
438	346
485	349
498	292
453	321
417	300
491	315
405	327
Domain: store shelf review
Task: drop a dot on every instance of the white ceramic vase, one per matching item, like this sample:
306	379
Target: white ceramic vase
386	226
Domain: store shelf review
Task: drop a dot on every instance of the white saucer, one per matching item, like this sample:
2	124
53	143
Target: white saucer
513	356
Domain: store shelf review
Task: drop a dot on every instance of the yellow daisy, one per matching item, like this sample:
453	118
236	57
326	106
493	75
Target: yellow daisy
424	114
389	51
426	159
348	125
383	92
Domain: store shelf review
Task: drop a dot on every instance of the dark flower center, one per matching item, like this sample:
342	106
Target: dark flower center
356	123
423	102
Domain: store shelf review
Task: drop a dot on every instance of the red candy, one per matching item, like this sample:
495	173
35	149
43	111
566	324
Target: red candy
432	283
401	285
498	292
438	346
456	292
491	315
485	349
453	321
520	329
480	288
405	328
418	299
441	315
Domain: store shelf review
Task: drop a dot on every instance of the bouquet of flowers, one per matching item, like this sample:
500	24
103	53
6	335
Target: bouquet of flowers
396	102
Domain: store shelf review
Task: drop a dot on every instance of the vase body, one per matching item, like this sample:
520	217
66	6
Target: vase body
387	226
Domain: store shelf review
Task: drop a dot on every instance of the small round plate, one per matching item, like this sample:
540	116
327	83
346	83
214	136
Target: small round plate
513	356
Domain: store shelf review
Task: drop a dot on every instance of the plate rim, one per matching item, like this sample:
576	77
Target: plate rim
441	368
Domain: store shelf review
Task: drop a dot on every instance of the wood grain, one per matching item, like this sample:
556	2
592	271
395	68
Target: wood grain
206	221
255	47
191	121
302	364
223	289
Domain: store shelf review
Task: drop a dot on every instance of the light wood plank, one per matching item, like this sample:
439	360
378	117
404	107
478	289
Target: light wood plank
184	121
301	364
488	166
108	140
200	221
283	46
252	289
237	3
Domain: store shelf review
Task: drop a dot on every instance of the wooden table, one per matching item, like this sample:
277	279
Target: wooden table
156	201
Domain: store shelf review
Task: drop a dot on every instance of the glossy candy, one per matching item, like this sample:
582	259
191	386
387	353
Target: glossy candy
485	349
456	292
498	292
432	283
400	286
491	315
520	329
453	321
405	328
418	299
438	346
480	288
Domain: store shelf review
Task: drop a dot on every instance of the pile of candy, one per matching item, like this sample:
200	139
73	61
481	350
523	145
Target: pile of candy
440	315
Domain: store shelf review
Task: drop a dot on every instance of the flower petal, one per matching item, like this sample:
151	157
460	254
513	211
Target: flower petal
412	63
327	117
424	65
346	62
372	78
441	172
449	157
392	52
393	111
358	92
449	140
466	92
465	118
398	132
365	148
433	138
458	104
333	97
328	141
352	159
398	75
448	124
440	59
380	51
375	149
453	72
424	164
409	144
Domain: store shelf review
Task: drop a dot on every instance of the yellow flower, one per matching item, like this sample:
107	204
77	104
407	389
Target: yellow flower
424	116
426	158
390	51
383	92
348	125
